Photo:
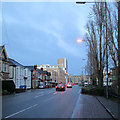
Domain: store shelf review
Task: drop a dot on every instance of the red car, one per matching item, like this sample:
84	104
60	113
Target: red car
60	87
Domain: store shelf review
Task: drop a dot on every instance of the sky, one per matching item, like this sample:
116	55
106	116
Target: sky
42	32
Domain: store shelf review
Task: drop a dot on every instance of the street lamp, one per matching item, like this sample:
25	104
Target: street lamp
106	43
79	40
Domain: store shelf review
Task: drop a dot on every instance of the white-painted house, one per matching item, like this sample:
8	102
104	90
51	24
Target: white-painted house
19	74
27	76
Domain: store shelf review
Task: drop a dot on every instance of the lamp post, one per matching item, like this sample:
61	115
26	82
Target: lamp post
82	70
106	52
118	50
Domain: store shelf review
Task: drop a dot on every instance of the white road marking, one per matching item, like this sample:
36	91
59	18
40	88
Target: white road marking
21	111
55	93
38	95
49	98
50	92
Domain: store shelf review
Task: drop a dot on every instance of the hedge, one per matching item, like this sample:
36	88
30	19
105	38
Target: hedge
8	86
100	91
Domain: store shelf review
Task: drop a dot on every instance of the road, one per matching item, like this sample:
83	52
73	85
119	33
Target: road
47	103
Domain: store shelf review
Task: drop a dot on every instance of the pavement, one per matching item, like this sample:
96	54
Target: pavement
89	107
111	106
47	103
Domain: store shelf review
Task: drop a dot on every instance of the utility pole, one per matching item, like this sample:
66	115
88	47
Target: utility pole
106	52
118	53
118	48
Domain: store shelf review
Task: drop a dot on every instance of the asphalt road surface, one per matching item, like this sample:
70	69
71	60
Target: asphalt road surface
47	103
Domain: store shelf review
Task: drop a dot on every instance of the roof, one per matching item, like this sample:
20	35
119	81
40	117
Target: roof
39	71
12	62
30	67
44	72
6	60
1	48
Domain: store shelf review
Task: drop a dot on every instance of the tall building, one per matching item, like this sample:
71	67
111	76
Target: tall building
62	63
57	73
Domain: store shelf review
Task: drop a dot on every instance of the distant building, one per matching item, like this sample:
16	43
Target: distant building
79	79
62	63
74	79
57	73
4	64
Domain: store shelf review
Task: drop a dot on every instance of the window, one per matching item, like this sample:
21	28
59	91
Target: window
17	71
25	72
4	67
11	72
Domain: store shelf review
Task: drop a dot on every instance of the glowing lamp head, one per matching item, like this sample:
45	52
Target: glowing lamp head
79	40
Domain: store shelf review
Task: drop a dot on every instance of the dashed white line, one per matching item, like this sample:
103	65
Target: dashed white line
38	95
55	93
49	99
21	111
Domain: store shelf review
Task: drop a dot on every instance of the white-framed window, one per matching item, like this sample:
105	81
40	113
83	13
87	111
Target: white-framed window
25	72
17	82
7	68
11	72
17	70
4	67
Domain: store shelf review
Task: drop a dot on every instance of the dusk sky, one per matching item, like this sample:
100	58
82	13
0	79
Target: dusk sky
42	32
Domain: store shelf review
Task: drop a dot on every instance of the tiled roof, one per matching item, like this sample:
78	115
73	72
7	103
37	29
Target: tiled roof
12	62
30	67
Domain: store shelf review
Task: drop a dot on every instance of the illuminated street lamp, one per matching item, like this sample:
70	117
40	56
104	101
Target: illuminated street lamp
79	40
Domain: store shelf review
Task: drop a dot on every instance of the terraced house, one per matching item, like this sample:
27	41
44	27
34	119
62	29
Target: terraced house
4	64
19	74
38	76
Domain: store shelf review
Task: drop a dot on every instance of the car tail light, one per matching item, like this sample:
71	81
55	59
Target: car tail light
55	86
62	87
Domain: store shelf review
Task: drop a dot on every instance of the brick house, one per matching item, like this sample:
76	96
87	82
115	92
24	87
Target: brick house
34	76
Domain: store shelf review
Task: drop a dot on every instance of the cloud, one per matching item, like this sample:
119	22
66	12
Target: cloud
66	47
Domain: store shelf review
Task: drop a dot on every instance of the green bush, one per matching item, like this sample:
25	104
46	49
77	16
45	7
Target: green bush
93	90
5	92
8	85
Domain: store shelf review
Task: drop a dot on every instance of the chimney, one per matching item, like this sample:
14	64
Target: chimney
35	67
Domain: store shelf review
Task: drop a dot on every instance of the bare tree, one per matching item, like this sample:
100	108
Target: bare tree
95	38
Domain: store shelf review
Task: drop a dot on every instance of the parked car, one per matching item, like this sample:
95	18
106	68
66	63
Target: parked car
69	85
41	86
60	87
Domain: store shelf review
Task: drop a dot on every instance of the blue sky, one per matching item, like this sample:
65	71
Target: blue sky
42	32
